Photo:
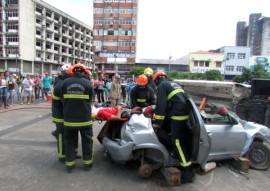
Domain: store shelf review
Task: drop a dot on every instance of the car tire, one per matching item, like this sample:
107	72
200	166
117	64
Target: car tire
259	156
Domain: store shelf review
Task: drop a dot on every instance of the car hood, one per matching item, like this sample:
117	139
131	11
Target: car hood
256	130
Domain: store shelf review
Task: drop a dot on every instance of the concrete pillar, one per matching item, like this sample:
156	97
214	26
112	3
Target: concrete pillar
42	68
21	65
33	69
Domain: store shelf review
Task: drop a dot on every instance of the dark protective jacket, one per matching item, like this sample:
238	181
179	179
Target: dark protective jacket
57	105
77	95
142	97
152	84
171	102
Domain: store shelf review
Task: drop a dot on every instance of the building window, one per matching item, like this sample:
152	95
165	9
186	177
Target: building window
206	64
241	55
11	13
12	2
239	68
201	63
12	50
196	63
38	44
110	32
230	68
230	55
12	26
38	32
218	64
12	38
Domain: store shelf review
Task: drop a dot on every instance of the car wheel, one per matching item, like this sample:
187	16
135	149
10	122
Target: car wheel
259	156
145	170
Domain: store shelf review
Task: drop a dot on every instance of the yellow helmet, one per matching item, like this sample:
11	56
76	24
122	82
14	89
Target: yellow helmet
148	71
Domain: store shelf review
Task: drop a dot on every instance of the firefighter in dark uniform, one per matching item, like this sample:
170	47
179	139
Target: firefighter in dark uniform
57	110
171	107
77	95
142	95
149	74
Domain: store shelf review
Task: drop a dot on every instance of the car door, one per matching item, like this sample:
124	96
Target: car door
227	138
201	142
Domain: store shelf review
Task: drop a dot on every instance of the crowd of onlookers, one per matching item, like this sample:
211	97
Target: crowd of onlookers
28	88
115	89
24	88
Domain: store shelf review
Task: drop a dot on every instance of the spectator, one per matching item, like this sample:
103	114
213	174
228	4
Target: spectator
12	86
123	89
27	89
95	83
19	80
3	91
100	91
47	81
36	86
116	90
40	87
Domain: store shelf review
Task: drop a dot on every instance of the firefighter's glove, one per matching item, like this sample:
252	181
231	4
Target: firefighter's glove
155	127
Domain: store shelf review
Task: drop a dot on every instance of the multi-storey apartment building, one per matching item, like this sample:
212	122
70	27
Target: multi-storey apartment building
256	35
114	34
36	37
241	33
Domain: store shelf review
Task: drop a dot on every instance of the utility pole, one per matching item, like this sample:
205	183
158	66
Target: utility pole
170	63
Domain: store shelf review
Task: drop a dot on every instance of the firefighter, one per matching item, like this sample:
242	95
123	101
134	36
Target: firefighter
57	110
77	95
172	110
149	74
142	95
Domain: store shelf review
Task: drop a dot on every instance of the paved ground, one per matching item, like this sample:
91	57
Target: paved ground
28	162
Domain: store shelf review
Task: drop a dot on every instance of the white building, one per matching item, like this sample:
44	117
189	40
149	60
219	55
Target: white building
235	59
35	37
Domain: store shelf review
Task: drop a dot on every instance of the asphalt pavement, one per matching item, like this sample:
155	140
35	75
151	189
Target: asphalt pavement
29	162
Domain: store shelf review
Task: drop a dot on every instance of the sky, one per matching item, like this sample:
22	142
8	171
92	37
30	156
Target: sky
177	27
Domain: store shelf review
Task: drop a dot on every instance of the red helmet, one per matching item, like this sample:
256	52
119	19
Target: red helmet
158	74
142	80
79	66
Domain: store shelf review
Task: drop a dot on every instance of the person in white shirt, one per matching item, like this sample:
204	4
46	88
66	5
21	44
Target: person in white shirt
28	84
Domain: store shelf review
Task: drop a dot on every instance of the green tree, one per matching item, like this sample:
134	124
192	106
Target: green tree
174	74
136	71
247	74
213	75
259	71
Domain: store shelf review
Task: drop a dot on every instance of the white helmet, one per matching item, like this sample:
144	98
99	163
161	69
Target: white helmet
64	68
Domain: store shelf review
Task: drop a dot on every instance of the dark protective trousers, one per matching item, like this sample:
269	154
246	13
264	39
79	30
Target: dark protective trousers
71	141
181	141
60	141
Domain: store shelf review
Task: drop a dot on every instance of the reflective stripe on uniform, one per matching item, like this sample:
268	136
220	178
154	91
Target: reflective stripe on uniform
55	97
60	146
184	162
160	117
141	100
180	118
175	92
77	124
76	96
57	120
92	157
70	163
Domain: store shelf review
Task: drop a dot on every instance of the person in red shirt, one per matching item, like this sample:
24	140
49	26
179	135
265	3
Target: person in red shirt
106	113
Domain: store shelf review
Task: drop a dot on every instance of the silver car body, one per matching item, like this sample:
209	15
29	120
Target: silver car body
212	139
